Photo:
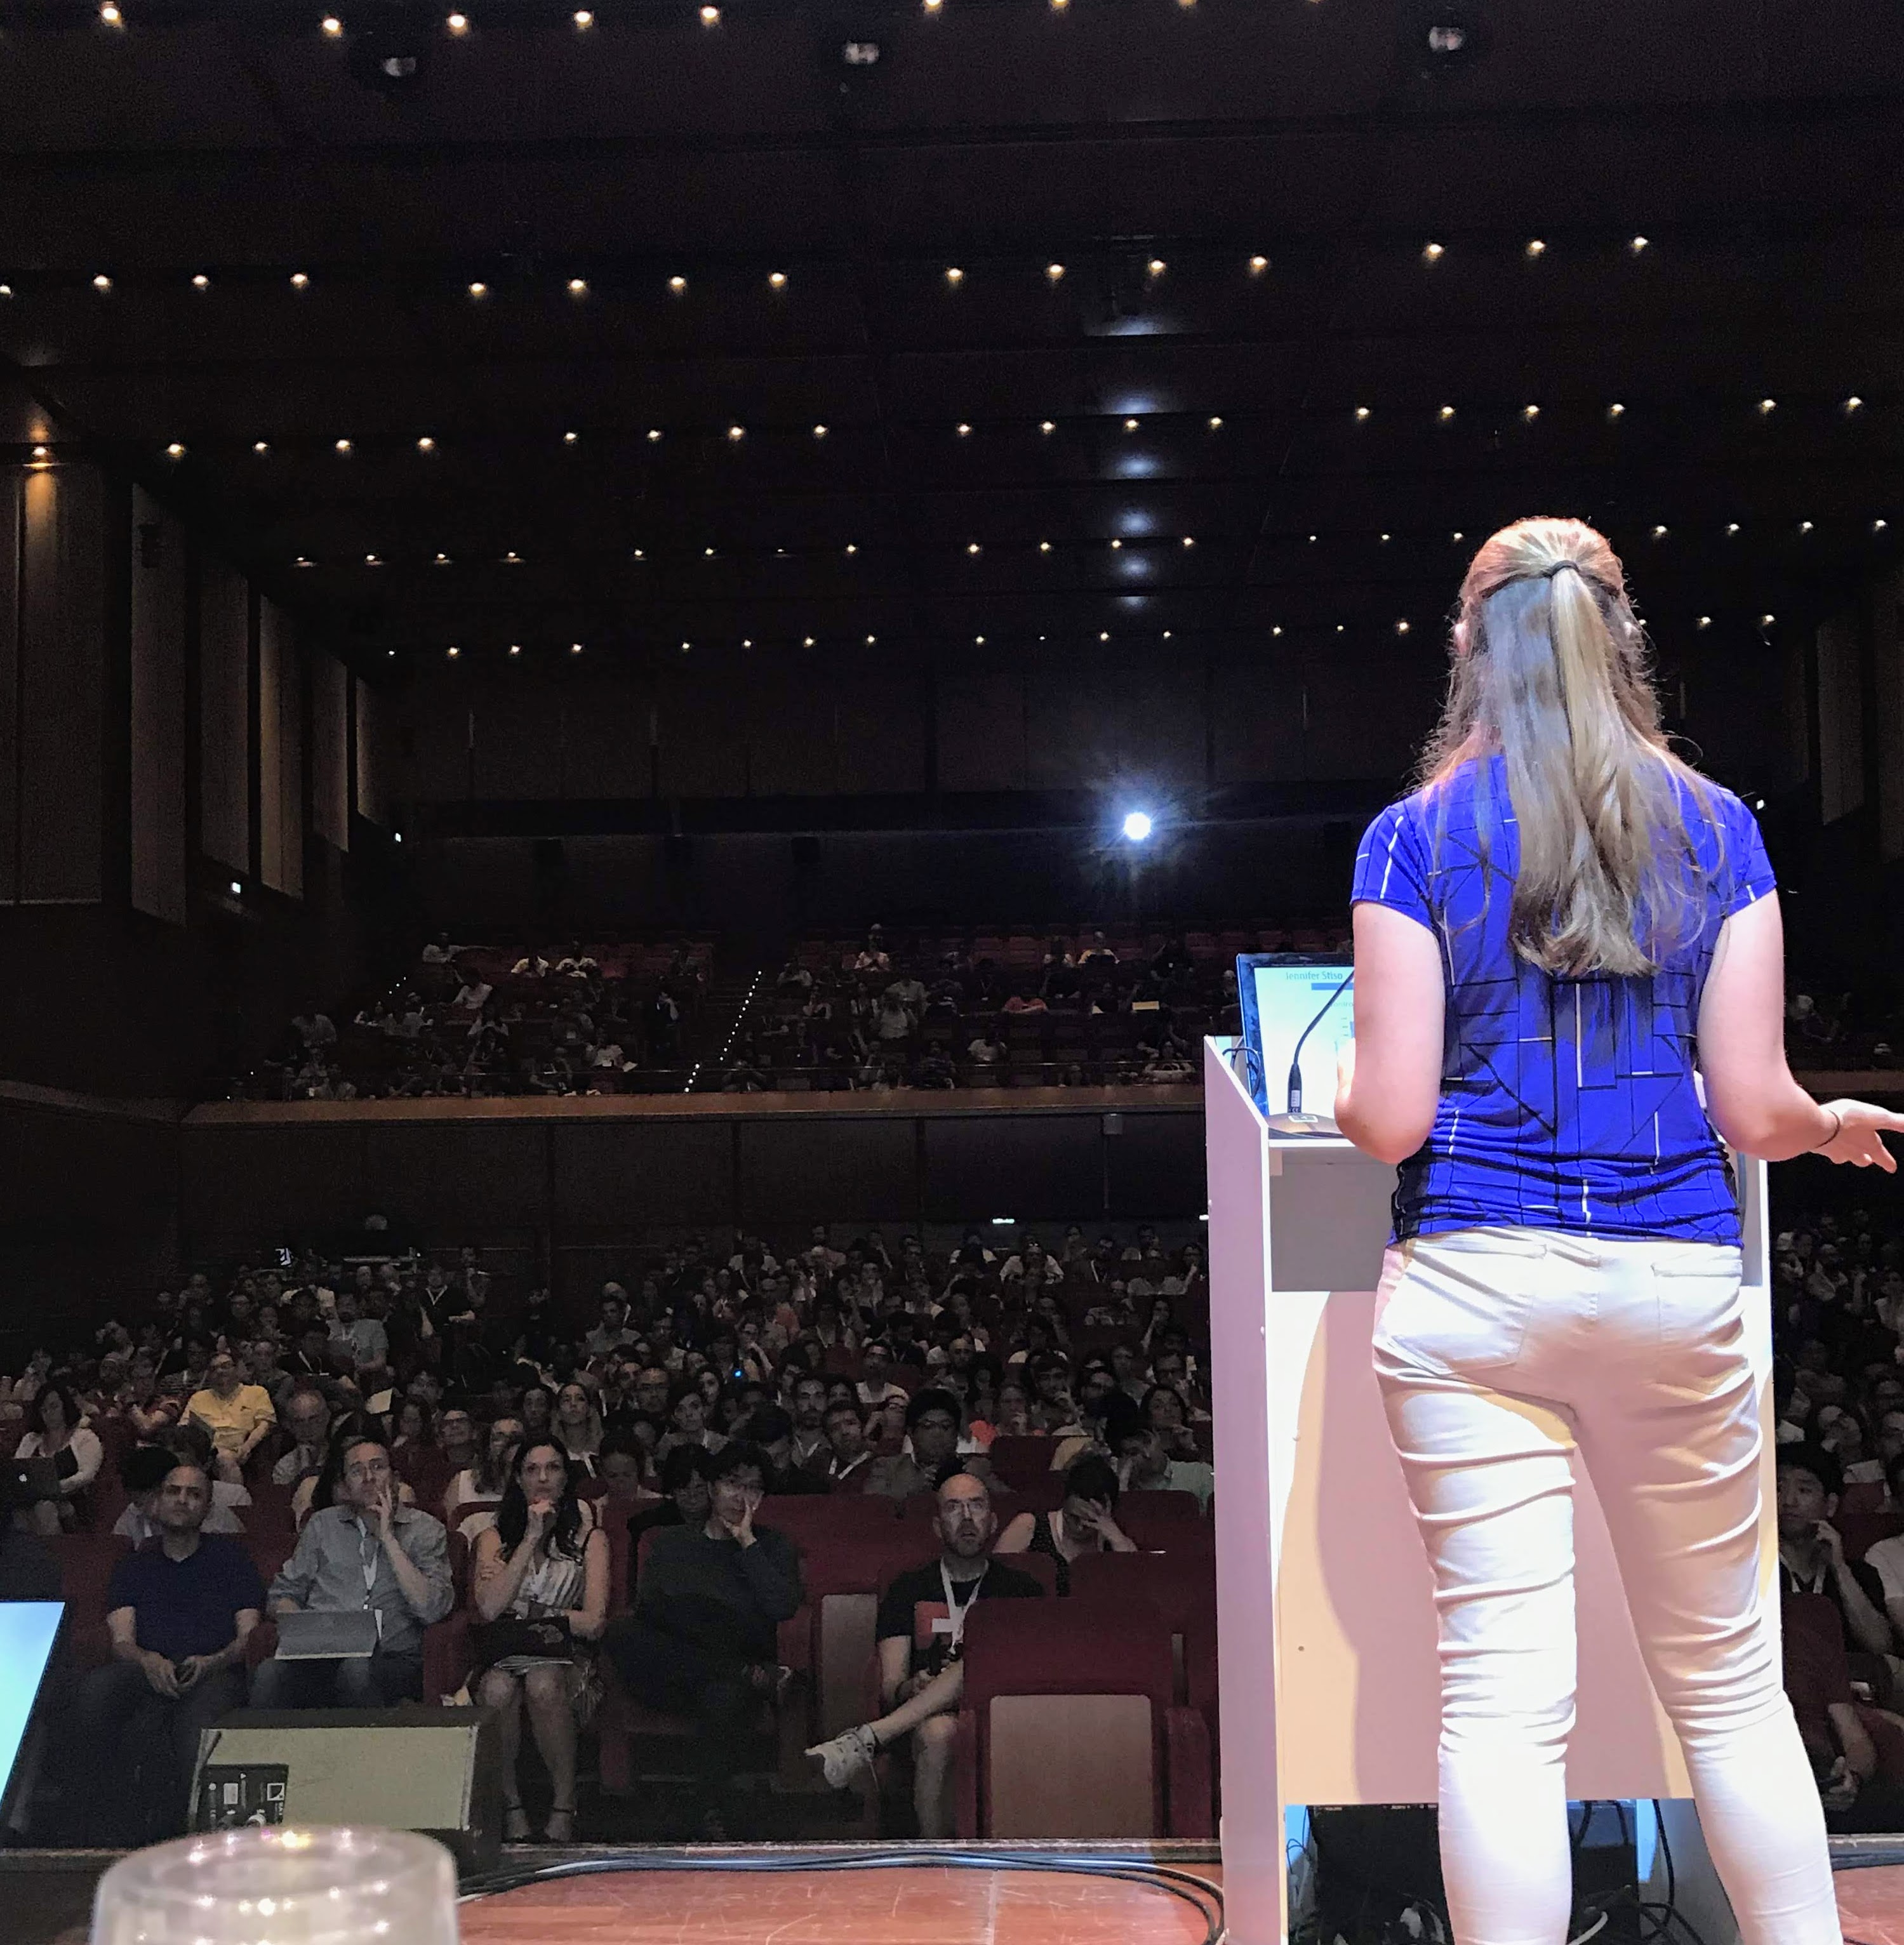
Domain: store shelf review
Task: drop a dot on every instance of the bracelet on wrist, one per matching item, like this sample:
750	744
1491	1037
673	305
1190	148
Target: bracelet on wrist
1838	1129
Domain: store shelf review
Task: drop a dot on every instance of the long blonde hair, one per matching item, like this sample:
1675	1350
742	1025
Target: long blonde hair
1550	673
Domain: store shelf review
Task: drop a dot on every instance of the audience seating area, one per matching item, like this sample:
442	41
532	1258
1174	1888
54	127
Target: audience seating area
1090	1006
535	1017
1129	1653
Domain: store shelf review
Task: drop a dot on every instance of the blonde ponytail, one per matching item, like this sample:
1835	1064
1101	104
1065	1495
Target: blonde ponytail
1549	674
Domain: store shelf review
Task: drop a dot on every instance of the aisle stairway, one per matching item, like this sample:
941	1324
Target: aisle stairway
730	995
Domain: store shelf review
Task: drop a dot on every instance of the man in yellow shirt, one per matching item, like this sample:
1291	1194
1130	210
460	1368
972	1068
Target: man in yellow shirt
236	1416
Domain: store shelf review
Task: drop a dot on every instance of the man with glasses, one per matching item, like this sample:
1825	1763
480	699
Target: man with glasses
367	1552
921	1630
236	1416
932	1423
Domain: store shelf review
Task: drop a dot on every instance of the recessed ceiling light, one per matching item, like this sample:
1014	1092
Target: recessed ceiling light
442	560
1216	425
1616	412
777	280
1638	244
1257	265
260	447
344	448
452	653
1447	412
332	26
457	23
299	281
1362	413
1055	272
955	276
1766	405
515	648
710	17
1530	413
574	647
479	290
1116	546
1130	425
820	432
578	287
1048	425
1044	547
201	281
1806	527
1854	403
102	284
1156	267
654	434
963	429
806	641
736	432
571	438
426	444
677	285
174	450
1401	628
1536	247
1432	253
1704	621
584	20
971	546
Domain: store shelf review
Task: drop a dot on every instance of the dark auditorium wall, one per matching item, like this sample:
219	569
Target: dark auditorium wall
167	730
88	1209
566	1187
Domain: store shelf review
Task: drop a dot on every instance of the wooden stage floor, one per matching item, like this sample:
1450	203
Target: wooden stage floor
47	1898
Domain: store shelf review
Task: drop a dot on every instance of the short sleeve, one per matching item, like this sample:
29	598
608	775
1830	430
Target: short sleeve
1391	864
896	1609
1748	875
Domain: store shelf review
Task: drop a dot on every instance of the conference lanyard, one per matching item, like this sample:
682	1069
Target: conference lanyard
959	1612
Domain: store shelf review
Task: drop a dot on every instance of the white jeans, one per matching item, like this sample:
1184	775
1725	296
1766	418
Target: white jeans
1639	1347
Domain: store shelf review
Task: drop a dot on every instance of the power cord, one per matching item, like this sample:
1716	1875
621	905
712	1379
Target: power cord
1201	1895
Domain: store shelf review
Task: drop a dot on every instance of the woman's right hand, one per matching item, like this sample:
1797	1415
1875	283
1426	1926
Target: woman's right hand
1860	1137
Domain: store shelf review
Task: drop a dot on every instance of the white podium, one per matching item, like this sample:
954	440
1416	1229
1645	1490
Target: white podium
1330	1683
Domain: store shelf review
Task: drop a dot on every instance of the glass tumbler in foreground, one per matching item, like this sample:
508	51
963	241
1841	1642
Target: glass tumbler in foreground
281	1886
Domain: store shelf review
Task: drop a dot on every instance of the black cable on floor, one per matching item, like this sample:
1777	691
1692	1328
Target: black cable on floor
1201	1896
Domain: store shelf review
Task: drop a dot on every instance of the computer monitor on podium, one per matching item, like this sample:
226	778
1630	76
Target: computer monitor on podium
1298	1009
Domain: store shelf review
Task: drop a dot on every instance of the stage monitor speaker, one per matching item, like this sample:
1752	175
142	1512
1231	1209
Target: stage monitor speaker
436	1770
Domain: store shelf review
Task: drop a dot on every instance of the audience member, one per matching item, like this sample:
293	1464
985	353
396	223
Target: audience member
1086	1523
702	1639
920	1633
542	1591
368	1552
61	1434
179	1610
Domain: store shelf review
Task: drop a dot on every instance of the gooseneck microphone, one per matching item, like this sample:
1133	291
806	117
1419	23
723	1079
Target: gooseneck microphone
1293	1120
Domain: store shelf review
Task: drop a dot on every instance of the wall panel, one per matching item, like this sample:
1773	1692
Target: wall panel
1155	1167
856	1171
280	753
604	740
159	729
12	485
1840	721
225	715
615	1174
703	730
1160	715
882	735
373	800
982	732
260	1184
61	670
1259	724
791	745
1035	1167
330	751
474	1177
1070	727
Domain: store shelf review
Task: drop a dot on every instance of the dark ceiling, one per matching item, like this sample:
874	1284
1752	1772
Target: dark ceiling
1691	212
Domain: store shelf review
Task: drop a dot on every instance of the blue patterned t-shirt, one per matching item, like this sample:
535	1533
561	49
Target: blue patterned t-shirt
1565	1103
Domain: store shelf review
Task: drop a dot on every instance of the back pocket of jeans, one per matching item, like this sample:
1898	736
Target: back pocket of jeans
1459	1306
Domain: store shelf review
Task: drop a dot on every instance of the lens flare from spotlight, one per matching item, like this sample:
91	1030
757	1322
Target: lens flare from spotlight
1137	826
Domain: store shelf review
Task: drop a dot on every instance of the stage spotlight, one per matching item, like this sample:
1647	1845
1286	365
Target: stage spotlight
1137	826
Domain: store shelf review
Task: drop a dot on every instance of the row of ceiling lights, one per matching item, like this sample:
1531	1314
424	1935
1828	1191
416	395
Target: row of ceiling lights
426	443
457	23
1401	627
1659	532
955	276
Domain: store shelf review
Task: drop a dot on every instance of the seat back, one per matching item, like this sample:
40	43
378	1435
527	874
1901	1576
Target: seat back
1068	1701
1182	1588
1165	1522
86	1563
1021	1459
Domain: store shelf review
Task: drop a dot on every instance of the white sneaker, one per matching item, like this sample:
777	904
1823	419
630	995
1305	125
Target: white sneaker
846	1758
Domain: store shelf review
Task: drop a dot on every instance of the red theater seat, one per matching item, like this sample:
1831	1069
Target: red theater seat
1070	1729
